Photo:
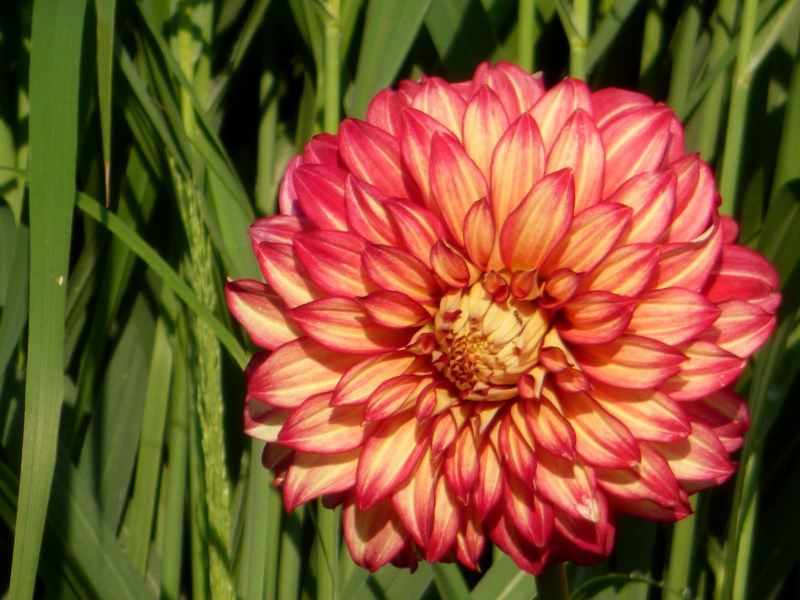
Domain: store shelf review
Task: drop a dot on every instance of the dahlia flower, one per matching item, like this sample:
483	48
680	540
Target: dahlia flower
496	313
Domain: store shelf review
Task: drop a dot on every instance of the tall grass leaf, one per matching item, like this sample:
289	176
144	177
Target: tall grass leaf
504	580
390	583
389	31
14	315
176	283
172	520
144	499
610	582
255	19
57	34
109	452
607	31
105	12
461	33
76	520
449	581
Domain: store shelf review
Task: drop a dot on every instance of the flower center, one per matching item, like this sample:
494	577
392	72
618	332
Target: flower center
484	345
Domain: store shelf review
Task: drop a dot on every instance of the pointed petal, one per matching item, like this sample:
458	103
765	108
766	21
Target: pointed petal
316	426
263	422
649	415
461	465
489	489
375	536
549	428
527	556
696	199
385	110
261	312
394	310
630	362
741	274
398	441
441	101
485	121
393	396
517	89
555	108
568	485
470	539
652	197
365	376
456	182
530	516
449	266
320	194
312	475
601	439
635	142
447	518
518	162
342	324
609	103
595	318
593	234
698	462
373	156
626	271
479	232
418	227
672	315
708	369
395	270
286	274
278	229
741	329
517	453
579	148
333	261
726	414
414	500
652	481
322	149
689	265
536	226
366	213
295	371
418	131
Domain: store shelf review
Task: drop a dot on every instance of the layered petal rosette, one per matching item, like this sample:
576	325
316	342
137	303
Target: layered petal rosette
499	313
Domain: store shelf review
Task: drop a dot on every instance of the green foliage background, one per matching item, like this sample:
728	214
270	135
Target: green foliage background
139	139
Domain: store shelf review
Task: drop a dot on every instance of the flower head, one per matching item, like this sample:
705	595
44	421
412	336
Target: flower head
499	313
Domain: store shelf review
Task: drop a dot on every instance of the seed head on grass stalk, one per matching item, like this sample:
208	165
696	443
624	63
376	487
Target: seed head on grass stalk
499	313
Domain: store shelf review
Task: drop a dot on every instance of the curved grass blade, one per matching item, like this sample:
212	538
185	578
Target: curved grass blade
57	33
116	226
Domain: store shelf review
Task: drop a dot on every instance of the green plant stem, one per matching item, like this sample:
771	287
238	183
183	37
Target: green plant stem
714	103
651	45
551	583
328	552
683	56
578	44
683	550
527	30
332	69
737	115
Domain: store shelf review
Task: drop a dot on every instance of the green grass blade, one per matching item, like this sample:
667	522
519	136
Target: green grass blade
176	283
461	33
105	11
504	581
608	30
389	32
57	33
449	581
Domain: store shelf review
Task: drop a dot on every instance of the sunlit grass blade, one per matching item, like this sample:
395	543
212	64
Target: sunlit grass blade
461	33
57	34
160	266
389	31
449	581
504	580
15	304
144	499
105	11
